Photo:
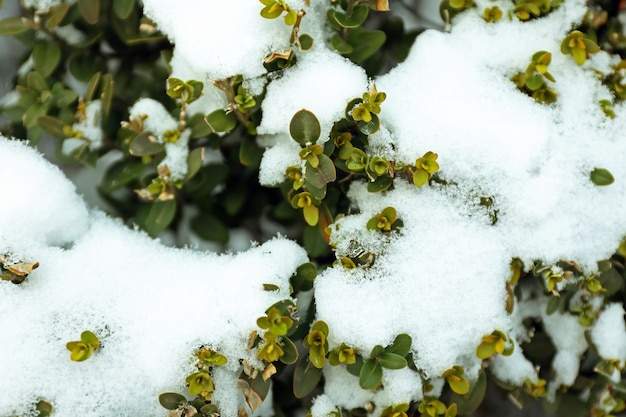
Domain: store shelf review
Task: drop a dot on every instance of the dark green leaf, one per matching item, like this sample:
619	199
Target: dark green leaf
314	242
304	127
249	152
356	18
211	228
368	128
305	378
380	184
316	192
371	374
553	304
611	280
340	45
392	361
365	43
572	406
171	400
120	174
107	94
233	200
323	174
220	121
601	176
84	66
304	276
401	345
122	8
159	216
52	126
355	368
306	41
12	26
145	144
194	162
43	407
32	114
36	82
89	10
291	351
92	87
56	15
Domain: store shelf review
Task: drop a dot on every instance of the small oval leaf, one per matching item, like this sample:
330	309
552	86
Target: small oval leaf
304	127
601	177
371	374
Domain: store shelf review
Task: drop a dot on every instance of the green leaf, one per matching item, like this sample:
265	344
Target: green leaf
305	378
401	345
311	215
46	57
365	43
291	351
107	94
159	216
52	126
368	128
356	18
32	114
83	66
601	177
220	121
485	350
120	174
210	227
470	402
579	55
303	278
89	10
144	144
92	87
379	184
13	26
392	361
459	386
420	177
306	41
340	45
249	152
552	305
534	82
323	174
43	407
56	15
36	82
304	127
123	8
194	162
371	374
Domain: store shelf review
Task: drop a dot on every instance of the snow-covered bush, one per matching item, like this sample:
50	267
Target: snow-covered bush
313	206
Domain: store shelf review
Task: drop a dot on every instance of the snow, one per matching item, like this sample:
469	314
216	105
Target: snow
440	278
609	333
151	305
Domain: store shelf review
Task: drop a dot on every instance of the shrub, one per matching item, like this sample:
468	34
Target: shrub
312	207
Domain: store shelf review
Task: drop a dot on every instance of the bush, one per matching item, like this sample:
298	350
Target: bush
294	206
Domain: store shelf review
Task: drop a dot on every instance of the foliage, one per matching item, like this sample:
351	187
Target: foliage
122	58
